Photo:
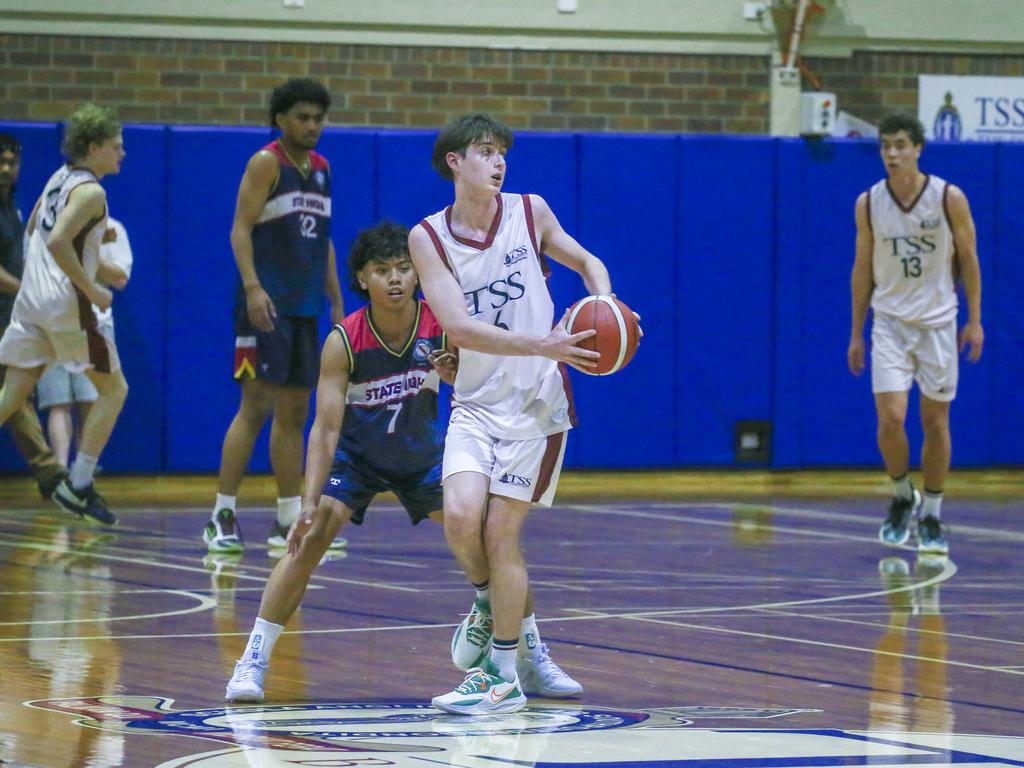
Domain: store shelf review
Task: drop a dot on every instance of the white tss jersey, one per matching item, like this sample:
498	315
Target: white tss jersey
503	279
913	255
47	297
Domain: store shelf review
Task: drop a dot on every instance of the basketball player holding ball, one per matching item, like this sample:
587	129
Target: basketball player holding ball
482	268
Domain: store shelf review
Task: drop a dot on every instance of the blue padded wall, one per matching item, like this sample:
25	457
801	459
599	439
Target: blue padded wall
628	213
204	168
407	187
1002	299
138	198
353	159
736	250
974	171
723	333
823	415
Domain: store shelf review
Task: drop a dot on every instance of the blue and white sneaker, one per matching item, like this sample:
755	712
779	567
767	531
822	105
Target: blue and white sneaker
471	643
222	533
929	537
540	676
896	529
483	692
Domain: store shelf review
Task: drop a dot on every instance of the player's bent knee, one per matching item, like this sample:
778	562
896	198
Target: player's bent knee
461	528
501	547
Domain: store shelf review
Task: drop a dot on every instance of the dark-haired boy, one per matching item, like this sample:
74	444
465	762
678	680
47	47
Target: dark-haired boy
512	407
286	262
24	423
53	318
914	234
375	430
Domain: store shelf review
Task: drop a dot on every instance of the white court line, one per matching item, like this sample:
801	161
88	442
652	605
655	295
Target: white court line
395	563
948	569
117	592
823	644
713	523
818	514
332	631
99	555
205	603
882	625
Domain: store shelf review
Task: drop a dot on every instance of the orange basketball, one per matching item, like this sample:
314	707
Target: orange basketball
618	332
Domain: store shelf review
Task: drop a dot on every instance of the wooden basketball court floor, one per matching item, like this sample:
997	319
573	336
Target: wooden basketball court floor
714	620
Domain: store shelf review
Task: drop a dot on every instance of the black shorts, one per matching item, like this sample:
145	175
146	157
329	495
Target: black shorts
354	484
288	356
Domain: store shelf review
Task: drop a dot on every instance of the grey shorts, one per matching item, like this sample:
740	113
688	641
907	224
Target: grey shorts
59	386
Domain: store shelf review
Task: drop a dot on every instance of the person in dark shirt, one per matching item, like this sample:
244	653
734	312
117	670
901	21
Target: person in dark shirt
24	424
286	263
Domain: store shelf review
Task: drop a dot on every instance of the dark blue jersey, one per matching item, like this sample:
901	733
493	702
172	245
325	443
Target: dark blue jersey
291	239
391	408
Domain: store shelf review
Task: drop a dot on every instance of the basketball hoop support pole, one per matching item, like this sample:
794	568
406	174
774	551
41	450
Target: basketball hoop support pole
784	111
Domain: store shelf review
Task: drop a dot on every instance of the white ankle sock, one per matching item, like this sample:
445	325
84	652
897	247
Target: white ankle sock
529	636
261	641
288	509
82	470
223	502
505	660
932	505
901	487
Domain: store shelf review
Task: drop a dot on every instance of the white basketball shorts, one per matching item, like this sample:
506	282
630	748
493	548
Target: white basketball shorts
526	470
30	346
902	353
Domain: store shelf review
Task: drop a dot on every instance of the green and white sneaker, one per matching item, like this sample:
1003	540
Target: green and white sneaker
471	643
483	692
222	533
278	539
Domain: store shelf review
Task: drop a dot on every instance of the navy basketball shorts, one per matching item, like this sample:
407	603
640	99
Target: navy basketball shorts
288	355
354	484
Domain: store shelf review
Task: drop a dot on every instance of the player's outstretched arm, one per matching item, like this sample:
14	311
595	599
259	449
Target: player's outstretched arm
563	248
449	305
257	181
966	239
861	286
85	203
331	391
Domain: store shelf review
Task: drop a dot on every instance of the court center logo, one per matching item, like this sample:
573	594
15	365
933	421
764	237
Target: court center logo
406	734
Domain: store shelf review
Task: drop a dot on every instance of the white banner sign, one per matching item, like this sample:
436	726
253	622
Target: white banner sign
971	108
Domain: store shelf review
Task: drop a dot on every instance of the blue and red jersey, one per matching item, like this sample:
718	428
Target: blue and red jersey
291	238
391	407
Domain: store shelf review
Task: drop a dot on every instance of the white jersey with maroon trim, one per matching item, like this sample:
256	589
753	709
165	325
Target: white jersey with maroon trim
504	280
47	297
913	255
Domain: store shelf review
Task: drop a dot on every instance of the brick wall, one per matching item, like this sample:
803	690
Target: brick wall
191	81
222	82
869	84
